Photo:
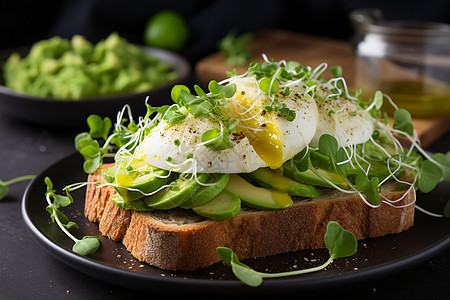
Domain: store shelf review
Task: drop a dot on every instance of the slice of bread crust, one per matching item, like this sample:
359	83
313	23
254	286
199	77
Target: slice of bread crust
179	239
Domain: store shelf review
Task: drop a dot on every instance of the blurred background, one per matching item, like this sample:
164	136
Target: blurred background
24	22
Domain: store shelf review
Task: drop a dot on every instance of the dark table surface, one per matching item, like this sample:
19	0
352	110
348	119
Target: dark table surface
27	271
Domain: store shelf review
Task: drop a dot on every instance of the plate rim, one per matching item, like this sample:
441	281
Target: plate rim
287	284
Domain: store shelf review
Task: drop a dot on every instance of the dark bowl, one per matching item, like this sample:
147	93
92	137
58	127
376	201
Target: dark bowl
73	113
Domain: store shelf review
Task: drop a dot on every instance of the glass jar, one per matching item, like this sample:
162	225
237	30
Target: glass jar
407	60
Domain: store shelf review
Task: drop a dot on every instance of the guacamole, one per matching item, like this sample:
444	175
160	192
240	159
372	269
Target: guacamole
76	69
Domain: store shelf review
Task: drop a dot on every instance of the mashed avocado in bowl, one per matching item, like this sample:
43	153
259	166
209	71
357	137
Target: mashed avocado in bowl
61	82
76	69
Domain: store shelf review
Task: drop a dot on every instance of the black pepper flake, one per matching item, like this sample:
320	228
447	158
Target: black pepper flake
237	137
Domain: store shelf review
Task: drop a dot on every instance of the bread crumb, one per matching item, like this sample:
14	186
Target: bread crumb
119	256
141	266
67	292
355	269
163	275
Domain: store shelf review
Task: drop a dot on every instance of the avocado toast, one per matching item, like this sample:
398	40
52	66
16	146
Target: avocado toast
260	164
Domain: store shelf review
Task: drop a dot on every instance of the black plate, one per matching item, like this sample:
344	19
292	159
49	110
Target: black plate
113	264
73	113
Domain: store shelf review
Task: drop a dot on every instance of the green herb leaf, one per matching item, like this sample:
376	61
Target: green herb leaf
4	190
173	115
302	160
228	91
90	150
328	145
199	107
214	87
430	176
336	71
269	86
99	128
151	110
93	158
402	121
444	160
71	224
87	245
200	91
235	48
369	187
342	161
378	99
225	254
175	94
246	274
62	201
340	242
216	141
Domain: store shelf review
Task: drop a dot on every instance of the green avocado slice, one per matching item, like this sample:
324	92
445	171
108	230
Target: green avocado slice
206	193
176	193
225	205
257	197
138	205
271	179
136	180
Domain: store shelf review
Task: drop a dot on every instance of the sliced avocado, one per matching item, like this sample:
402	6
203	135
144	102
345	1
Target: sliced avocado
225	205
257	197
109	174
176	193
135	179
138	205
275	180
310	177
142	184
321	160
205	193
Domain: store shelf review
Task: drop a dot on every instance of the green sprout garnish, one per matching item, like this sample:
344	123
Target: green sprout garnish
85	246
4	190
235	48
339	242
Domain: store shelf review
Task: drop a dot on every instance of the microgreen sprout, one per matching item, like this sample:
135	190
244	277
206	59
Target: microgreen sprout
339	242
4	190
235	48
85	246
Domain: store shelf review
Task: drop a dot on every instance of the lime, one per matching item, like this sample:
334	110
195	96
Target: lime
167	30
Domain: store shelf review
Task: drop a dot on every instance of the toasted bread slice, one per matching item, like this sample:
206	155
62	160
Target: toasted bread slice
179	239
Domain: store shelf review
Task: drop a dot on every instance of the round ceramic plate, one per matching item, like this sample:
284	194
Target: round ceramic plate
112	262
73	113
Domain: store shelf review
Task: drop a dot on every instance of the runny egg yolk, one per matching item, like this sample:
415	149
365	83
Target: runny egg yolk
256	124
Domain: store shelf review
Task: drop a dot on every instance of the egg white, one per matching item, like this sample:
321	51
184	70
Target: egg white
345	120
190	155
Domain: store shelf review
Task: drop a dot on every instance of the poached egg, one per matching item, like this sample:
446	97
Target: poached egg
261	138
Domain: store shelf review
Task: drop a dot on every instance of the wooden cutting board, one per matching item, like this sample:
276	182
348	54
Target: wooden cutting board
307	50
